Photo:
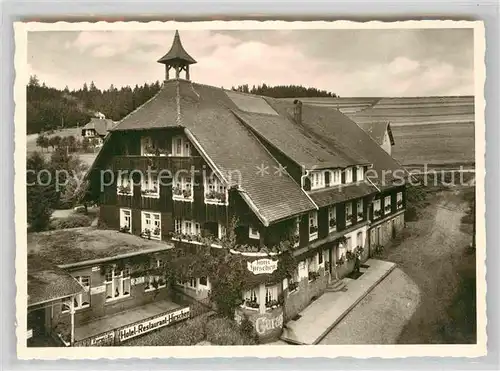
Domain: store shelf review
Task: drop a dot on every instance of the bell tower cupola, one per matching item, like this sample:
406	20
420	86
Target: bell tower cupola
177	59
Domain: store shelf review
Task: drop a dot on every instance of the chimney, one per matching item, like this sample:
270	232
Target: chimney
297	111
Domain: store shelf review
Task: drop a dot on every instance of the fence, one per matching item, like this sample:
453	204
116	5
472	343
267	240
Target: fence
122	334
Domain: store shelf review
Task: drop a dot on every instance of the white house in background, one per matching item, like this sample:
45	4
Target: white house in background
97	128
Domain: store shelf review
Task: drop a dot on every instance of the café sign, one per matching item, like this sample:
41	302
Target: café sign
262	266
151	324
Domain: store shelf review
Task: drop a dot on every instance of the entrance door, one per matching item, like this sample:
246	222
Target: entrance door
393	228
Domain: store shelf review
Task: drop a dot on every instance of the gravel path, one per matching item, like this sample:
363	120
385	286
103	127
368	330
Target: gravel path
381	316
429	297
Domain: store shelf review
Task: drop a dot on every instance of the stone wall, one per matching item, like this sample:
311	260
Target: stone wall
297	300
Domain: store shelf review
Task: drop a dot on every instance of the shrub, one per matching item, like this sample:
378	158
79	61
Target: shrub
223	331
72	221
189	332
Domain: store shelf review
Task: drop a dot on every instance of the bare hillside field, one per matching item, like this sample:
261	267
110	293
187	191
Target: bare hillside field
434	144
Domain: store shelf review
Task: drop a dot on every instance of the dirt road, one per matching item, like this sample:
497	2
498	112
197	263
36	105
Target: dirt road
431	300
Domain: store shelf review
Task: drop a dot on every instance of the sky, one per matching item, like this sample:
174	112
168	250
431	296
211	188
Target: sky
350	63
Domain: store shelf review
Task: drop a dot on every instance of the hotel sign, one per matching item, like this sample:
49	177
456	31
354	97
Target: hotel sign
151	324
262	266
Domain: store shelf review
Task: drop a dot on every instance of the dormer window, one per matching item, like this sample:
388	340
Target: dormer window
317	180
360	173
335	177
348	175
181	147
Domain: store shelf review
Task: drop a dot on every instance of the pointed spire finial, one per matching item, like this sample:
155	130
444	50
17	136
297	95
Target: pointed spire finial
177	58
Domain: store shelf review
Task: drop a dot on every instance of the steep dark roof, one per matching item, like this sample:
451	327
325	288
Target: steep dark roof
207	112
47	282
341	193
336	129
177	53
101	126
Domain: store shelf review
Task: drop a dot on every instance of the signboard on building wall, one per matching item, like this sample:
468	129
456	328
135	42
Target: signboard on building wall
262	266
103	339
151	324
97	290
265	325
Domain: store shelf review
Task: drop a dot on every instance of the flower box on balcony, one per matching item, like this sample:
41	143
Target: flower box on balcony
387	209
150	150
340	262
400	204
152	193
182	194
252	304
353	218
215	197
125	190
348	219
377	213
151	234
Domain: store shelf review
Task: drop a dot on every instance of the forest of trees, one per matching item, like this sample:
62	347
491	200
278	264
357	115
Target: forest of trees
51	109
284	91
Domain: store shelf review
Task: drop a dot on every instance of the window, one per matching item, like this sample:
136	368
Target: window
348	213
215	191
297	231
126	220
82	300
222	231
359	207
271	295
341	250
117	284
317	179
187	227
320	258
183	188
348	244
348	175
302	269
399	200
387	205
332	219
124	184
313	225
359	239
253	233
147	146
181	147
66	306
150	186
335	177
251	299
312	267
360	173
151	225
204	281
376	209
155	282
